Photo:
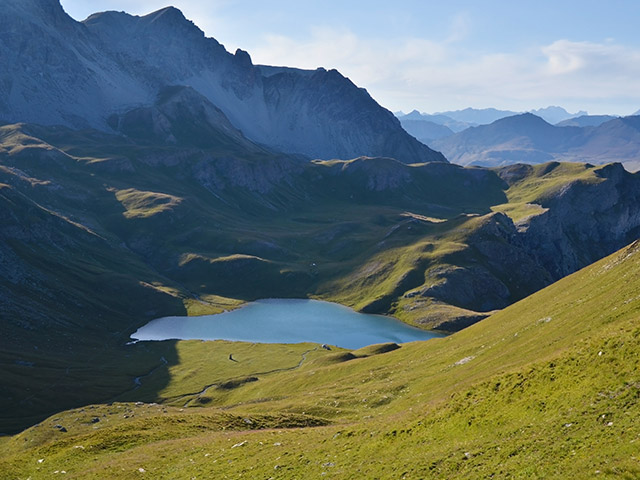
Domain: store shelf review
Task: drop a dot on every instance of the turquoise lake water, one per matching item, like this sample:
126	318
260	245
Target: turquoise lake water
286	321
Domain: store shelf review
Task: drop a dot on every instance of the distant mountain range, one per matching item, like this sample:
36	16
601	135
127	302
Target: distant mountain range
475	116
585	121
555	114
80	74
458	120
428	127
527	138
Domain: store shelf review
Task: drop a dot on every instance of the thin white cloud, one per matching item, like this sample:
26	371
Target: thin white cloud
602	59
565	57
461	26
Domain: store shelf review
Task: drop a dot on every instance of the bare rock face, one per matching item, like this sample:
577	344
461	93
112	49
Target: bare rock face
58	74
322	107
79	74
585	221
181	116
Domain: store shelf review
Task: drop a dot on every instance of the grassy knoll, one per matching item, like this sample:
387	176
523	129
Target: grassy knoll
535	183
519	211
547	388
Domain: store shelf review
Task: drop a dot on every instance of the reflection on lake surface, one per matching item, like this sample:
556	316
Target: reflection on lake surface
286	321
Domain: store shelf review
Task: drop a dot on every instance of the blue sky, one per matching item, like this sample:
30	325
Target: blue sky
436	55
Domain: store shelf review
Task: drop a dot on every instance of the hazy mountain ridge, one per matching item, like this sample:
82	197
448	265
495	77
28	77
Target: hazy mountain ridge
586	121
471	117
79	74
427	128
477	116
554	114
526	138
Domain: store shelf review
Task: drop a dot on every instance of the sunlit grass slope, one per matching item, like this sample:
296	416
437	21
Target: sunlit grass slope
547	388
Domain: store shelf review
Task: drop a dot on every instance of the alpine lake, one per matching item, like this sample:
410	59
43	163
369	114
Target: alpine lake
287	321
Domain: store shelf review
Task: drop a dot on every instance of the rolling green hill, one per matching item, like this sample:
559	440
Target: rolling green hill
546	388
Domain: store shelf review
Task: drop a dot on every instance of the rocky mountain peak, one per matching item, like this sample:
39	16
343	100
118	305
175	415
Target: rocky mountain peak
413	115
110	17
171	18
169	14
81	74
168	23
243	58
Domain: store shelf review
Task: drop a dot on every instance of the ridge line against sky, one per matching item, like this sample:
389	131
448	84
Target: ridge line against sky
436	56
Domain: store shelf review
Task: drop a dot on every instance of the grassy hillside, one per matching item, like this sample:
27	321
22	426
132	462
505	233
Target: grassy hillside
547	388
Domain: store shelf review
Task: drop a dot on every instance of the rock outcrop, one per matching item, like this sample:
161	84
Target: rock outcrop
584	221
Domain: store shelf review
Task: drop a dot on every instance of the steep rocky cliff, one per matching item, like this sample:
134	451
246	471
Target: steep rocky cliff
584	220
81	73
